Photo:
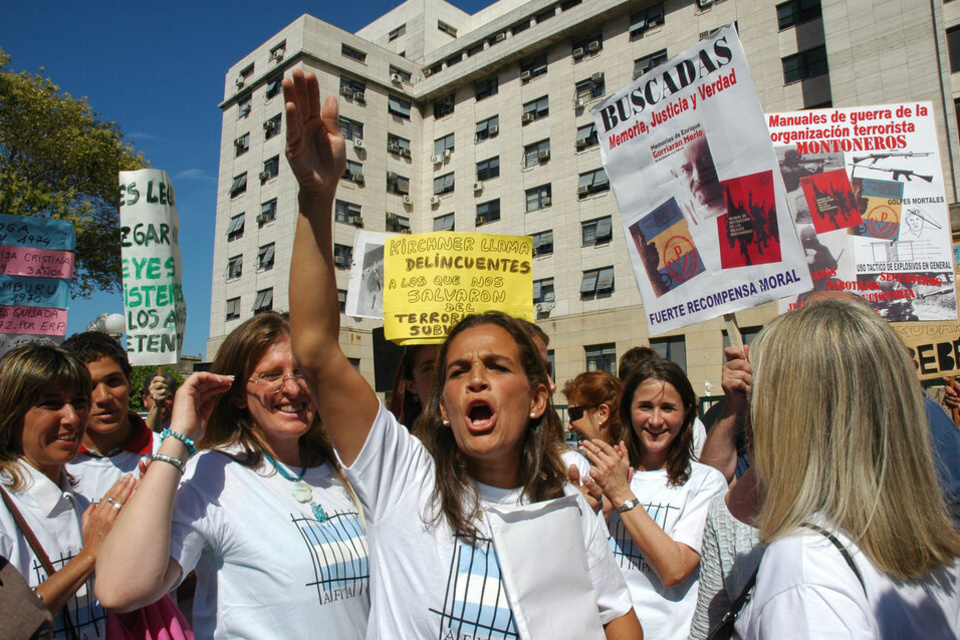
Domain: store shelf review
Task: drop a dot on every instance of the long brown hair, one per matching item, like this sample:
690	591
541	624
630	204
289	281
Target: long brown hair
541	474
681	449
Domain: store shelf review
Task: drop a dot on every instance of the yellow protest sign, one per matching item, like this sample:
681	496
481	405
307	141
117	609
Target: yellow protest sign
435	279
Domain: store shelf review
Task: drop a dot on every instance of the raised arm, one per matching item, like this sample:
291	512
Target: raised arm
317	156
720	449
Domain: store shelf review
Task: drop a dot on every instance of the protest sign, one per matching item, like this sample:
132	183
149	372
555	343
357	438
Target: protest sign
36	263
868	194
155	309
365	292
701	199
435	279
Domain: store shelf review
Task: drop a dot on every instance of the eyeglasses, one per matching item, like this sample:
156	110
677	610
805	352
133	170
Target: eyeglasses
576	413
273	382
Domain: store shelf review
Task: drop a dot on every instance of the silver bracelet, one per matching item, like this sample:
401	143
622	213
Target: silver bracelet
177	462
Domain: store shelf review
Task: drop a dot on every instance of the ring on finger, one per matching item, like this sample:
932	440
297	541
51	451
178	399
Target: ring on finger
110	500
118	505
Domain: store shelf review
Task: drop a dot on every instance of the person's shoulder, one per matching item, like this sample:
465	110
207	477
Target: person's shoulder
707	476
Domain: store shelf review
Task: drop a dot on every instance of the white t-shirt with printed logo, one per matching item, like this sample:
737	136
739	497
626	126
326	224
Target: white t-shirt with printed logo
266	567
429	583
666	613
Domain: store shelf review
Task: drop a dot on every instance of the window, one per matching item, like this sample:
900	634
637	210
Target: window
602	357
235	228
536	153
271	127
342	256
536	109
488	169
539	197
520	27
354	172
542	246
399	107
396	33
796	11
354	362
353	89
347	213
590	45
271	167
747	333
274	86
543	291
233	309
590	88
497	38
239	185
399	146
953	46
235	267
475	49
268	212
587	136
342	299
592	182
488	128
596	231
644	64
351	129
806	64
353	54
441	145
437	68
446	28
245	75
444	223
242	144
487	87
397	184
404	75
265	257
443	107
264	301
278	51
443	184
488	211
543	16
243	107
673	348
642	21
596	281
398	224
456	59
569	4
533	68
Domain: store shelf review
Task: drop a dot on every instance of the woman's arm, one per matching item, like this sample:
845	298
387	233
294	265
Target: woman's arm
317	156
672	561
626	627
134	569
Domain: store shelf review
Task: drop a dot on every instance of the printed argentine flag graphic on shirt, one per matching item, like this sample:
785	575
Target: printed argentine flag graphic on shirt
339	551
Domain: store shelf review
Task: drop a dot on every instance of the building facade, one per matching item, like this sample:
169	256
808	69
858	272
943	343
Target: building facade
482	122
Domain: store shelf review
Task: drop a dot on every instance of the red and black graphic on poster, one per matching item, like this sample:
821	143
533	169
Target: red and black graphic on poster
748	232
832	201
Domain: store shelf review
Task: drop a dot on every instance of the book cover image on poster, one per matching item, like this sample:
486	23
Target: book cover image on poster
795	168
748	232
669	255
831	200
690	162
881	204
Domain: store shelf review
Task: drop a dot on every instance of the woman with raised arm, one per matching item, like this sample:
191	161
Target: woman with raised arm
660	513
262	514
45	405
432	504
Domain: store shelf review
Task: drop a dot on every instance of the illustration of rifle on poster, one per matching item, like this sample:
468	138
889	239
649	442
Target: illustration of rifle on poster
154	304
435	279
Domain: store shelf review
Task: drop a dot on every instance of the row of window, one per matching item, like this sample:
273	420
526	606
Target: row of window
271	167
265	259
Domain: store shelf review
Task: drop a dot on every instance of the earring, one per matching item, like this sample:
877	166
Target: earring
533	414
446	423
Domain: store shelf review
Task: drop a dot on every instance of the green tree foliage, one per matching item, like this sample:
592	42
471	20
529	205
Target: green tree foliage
140	375
58	160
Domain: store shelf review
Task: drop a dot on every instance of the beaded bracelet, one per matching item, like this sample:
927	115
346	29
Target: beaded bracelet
187	442
177	462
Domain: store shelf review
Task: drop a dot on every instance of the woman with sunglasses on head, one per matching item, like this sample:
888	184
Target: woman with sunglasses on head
45	404
486	445
263	514
660	513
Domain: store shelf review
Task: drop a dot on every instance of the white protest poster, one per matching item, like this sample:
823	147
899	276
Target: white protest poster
155	309
365	292
701	199
867	190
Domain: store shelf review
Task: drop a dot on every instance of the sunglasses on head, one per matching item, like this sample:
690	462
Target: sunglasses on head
576	413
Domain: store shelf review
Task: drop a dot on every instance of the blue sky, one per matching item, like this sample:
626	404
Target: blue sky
157	69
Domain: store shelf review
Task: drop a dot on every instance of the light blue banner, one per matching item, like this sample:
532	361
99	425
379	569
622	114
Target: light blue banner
42	233
34	292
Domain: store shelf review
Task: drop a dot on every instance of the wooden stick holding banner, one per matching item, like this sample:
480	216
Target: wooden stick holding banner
733	331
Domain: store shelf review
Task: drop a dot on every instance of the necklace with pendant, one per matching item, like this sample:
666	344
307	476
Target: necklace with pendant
301	491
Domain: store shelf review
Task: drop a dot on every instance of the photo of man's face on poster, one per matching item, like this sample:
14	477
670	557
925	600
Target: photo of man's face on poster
697	174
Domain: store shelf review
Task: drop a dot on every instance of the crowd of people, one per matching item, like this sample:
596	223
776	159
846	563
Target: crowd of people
819	500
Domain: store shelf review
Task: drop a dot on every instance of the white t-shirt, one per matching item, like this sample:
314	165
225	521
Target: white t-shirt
681	512
430	583
266	568
53	514
94	474
805	589
699	437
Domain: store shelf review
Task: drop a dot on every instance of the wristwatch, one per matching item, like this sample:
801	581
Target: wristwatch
628	505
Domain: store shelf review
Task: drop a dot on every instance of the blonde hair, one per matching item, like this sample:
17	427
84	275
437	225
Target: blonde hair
840	429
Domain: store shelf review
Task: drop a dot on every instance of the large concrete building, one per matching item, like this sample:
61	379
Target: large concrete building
482	122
